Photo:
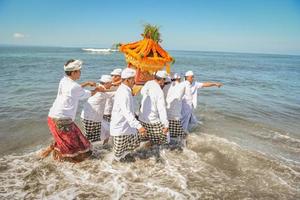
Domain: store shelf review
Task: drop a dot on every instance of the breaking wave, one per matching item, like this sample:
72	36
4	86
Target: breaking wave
209	168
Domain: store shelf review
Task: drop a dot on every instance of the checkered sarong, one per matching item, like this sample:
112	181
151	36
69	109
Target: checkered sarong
92	130
175	129
154	133
124	144
107	118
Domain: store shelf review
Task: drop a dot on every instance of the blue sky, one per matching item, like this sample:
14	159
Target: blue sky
270	26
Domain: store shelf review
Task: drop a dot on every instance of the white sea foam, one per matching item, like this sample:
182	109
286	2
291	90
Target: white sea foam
210	167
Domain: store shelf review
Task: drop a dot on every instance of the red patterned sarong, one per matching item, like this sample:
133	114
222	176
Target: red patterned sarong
69	141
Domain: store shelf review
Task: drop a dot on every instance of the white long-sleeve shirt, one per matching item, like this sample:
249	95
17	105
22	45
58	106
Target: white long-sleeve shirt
109	103
66	102
191	93
93	109
174	100
123	121
166	89
153	106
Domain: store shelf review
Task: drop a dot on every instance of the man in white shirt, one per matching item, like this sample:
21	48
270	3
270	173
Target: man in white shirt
124	125
153	115
167	86
176	79
93	109
189	103
173	104
116	77
70	144
116	81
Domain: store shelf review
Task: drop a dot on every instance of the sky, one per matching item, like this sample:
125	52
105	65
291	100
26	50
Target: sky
258	26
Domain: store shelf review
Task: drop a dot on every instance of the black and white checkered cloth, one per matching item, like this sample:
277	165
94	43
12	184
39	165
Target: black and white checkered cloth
154	133
107	118
92	130
175	129
124	144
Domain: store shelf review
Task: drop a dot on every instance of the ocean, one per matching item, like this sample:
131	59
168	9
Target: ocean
246	147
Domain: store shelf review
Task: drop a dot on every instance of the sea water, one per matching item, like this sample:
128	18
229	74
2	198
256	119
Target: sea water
246	147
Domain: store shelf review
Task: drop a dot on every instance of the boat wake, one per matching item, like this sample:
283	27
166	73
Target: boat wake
100	51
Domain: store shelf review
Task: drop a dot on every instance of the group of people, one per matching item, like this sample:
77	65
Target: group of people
165	112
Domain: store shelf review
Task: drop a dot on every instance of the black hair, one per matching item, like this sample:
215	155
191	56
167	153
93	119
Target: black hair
69	61
68	73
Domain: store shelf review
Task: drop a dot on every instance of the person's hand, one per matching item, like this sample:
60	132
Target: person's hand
165	130
92	84
100	89
219	85
142	131
117	83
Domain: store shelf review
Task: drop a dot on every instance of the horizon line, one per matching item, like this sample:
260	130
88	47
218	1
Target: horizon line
209	51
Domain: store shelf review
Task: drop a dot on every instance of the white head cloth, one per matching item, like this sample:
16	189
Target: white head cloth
168	79
176	76
161	74
128	73
116	72
105	79
75	65
189	73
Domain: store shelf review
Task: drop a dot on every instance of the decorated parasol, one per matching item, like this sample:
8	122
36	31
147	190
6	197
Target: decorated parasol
146	55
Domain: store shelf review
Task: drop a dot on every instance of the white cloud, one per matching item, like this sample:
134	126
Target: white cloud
18	35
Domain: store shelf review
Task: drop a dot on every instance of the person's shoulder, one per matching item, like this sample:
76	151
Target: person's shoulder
74	87
199	84
182	84
148	83
122	89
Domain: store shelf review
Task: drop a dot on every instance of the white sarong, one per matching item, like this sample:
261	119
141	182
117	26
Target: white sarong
188	119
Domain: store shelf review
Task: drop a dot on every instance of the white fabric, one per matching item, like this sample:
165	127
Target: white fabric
128	73
168	79
123	121
105	125
109	103
161	74
174	100
93	109
176	76
189	103
105	79
75	65
189	73
188	119
153	107
166	89
191	92
68	96
105	133
116	72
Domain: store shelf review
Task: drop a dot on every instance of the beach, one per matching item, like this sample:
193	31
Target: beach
246	147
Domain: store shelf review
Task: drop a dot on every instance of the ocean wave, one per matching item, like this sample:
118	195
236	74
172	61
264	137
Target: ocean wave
209	168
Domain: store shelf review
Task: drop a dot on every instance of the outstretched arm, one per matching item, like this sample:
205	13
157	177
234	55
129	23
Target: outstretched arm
211	84
88	83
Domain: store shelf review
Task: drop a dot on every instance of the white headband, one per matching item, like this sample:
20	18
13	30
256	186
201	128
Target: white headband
75	65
